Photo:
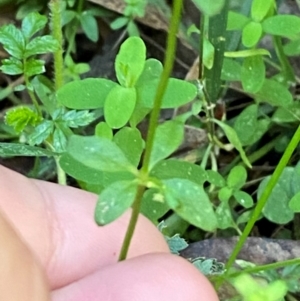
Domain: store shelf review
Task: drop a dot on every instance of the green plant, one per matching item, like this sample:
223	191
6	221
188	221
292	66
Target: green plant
125	169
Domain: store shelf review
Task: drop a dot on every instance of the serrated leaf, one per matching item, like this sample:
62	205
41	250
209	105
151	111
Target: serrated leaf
89	26
176	244
237	177
130	61
172	168
259	9
114	201
252	33
119	105
88	93
98	153
59	141
13	40
282	25
253	73
275	93
177	93
234	140
33	23
103	130
34	67
40	45
131	143
18	149
243	198
75	119
190	202
168	137
41	132
12	66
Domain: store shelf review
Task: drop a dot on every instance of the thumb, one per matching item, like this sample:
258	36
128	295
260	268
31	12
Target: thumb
21	276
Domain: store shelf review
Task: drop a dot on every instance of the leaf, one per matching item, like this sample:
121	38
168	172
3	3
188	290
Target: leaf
282	25
190	202
119	23
153	206
119	105
33	23
75	119
89	93
89	26
252	33
237	177
243	198
215	178
176	244
98	153
12	66
234	140
236	21
177	93
103	130
168	137
277	208
294	203
13	40
292	48
152	70
275	93
41	132
210	8
172	168
130	61
34	67
231	70
225	194
208	54
23	150
130	141
260	9
59	141
253	73
40	45
224	216
114	201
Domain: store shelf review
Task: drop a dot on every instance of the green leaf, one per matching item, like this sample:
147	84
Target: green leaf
12	66
119	105
114	201
292	48
234	140
253	73
208	54
190	202
23	150
89	26
225	194
88	93
153	206
103	130
282	25
13	40
130	61
40	45
237	177
275	93
168	137
243	198
98	153
236	21
75	119
277	207
176	244
119	23
246	53
215	178
41	132
224	216
172	168
152	70
252	33
260	9
130	141
59	141
33	23
210	8
294	203
177	93
34	67
20	117
287	114
231	70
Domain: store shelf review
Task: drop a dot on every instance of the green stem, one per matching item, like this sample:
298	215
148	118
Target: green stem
55	7
61	175
265	195
168	65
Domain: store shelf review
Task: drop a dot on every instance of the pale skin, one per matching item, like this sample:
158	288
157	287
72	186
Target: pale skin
51	249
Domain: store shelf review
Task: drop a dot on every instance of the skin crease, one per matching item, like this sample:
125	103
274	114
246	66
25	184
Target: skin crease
53	250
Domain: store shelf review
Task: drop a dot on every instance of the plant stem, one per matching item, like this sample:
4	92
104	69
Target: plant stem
265	195
168	65
55	7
